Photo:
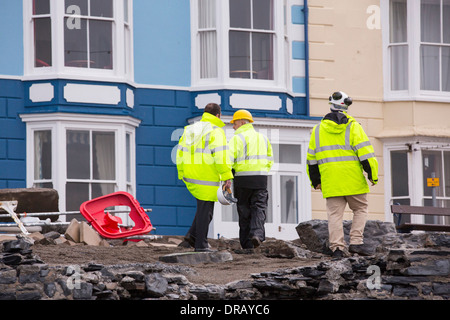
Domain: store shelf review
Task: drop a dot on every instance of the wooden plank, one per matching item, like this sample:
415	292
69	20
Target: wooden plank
403	209
424	227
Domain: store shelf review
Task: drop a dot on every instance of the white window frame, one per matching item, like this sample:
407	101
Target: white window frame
59	123
122	51
222	28
413	42
415	146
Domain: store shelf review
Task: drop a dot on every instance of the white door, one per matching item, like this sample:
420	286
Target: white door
289	198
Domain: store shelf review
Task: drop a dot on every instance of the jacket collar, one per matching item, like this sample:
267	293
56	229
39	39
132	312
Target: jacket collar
245	127
208	117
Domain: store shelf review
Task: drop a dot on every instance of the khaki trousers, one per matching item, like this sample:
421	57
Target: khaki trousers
335	210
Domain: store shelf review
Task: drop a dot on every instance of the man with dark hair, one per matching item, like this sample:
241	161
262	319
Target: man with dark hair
214	109
202	163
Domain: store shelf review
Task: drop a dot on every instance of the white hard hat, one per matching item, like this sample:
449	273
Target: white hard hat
340	101
225	197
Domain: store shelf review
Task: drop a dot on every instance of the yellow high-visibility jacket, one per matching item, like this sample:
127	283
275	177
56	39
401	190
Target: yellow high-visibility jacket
250	151
341	152
202	157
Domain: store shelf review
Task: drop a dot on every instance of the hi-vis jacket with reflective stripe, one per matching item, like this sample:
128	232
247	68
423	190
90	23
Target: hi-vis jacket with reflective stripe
339	151
250	152
202	157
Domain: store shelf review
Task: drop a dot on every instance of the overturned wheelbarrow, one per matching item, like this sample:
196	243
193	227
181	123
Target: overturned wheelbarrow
109	226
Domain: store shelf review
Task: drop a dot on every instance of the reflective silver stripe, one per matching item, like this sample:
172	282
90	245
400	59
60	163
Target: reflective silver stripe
311	162
206	148
334	147
338	159
311	151
251	173
367	156
257	157
347	134
244	152
362	145
218	149
347	145
202	182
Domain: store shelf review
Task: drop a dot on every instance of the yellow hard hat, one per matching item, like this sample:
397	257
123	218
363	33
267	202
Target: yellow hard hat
242	114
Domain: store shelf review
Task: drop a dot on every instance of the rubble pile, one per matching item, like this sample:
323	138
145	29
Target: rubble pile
403	266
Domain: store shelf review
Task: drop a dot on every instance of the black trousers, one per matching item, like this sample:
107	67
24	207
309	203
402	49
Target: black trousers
252	208
199	228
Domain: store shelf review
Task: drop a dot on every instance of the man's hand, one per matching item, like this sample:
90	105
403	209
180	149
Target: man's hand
318	187
227	184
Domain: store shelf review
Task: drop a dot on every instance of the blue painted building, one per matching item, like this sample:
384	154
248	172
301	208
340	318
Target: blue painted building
94	95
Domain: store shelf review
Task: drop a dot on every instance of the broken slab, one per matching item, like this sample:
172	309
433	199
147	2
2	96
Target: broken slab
73	231
197	257
88	235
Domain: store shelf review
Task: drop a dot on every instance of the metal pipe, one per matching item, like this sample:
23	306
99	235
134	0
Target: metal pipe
44	214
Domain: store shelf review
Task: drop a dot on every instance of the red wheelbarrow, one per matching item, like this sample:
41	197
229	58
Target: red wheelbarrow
110	226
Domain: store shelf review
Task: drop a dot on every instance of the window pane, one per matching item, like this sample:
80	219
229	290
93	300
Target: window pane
287	153
445	68
399	173
42	42
43	155
76	194
432	168
263	14
125	11
41	6
45	185
206	14
240	14
78	155
128	156
102	8
404	218
208	54
430	21
104	155
397	21
240	54
100	44
446	22
75	45
446	181
429	67
262	56
289	199
102	189
81	6
399	68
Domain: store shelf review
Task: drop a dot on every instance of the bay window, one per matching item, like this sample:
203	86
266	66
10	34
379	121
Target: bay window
81	156
82	37
411	164
238	40
417	49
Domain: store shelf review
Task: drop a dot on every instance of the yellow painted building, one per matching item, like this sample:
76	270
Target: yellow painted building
393	58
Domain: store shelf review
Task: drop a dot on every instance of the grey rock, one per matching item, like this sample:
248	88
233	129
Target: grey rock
156	285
